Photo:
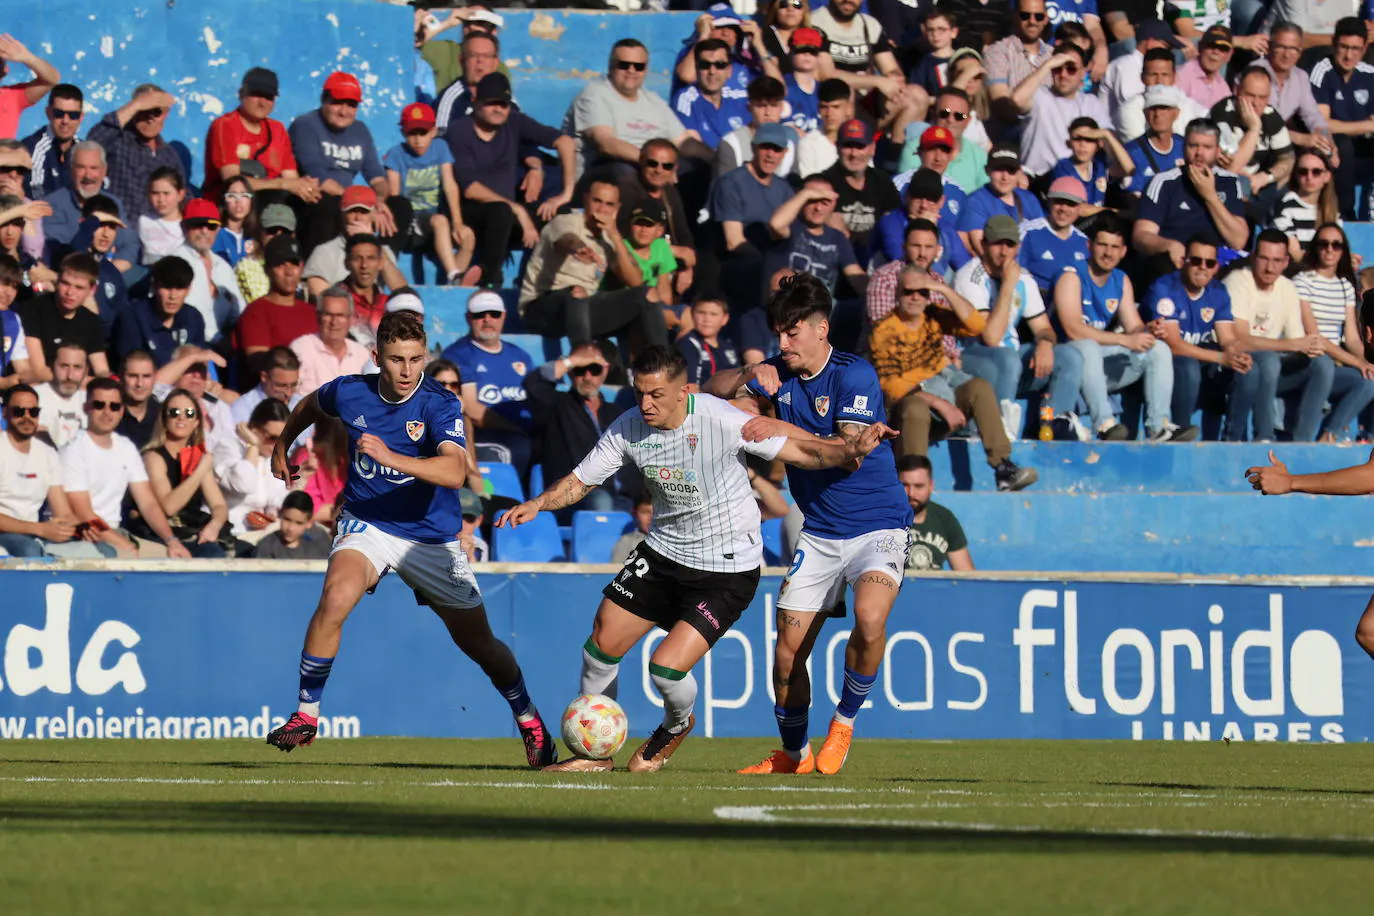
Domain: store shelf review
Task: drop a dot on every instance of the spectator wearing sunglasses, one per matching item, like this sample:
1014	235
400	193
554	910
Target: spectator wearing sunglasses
712	106
493	372
1307	202
656	180
614	117
249	133
1052	98
569	423
16	97
135	148
162	323
30	475
803	86
1010	60
51	145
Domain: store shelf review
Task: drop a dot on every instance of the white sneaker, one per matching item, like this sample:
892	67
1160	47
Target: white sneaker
1013	412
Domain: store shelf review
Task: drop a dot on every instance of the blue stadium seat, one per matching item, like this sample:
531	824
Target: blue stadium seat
503	480
536	479
536	541
772	542
594	535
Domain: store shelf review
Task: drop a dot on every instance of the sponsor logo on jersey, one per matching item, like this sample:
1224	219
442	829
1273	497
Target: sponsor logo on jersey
823	404
415	429
646	443
860	401
457	431
496	394
692	442
710	618
360	422
1164	308
786	398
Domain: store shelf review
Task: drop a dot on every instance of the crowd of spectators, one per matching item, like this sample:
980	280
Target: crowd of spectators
1056	220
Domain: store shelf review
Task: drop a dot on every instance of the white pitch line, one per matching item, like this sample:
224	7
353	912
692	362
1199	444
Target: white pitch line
443	784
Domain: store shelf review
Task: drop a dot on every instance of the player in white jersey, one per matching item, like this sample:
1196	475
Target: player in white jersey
698	568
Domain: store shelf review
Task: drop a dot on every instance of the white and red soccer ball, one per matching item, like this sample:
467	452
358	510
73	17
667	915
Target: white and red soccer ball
594	726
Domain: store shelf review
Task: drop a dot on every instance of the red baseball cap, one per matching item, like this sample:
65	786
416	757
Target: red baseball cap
358	197
806	38
937	136
201	210
342	85
855	133
418	115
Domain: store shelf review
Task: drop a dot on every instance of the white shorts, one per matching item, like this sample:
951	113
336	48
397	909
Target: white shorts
822	567
438	573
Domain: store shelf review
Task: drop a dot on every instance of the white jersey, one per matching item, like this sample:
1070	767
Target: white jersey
705	516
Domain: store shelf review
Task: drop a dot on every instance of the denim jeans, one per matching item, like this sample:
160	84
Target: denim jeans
21	545
1008	371
1112	368
1189	377
1272	374
1350	394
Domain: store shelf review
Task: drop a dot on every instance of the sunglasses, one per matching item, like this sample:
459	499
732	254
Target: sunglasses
176	413
452	386
664	166
239	195
13	170
1069	69
1033	17
1195	261
59	114
112	406
1330	244
496	103
1310	173
18	412
593	369
346	103
115	226
945	114
638	66
912	291
793	4
713	65
490	313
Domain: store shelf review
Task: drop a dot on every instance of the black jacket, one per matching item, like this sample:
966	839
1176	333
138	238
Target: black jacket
566	433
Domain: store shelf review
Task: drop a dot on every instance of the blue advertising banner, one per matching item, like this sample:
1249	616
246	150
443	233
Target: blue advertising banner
214	654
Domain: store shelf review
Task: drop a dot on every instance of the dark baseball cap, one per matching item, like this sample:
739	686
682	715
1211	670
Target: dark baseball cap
1218	36
1001	228
649	211
281	250
260	82
855	132
1158	30
494	87
926	184
1006	157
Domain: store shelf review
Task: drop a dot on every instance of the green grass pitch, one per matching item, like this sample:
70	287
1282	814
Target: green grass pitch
396	825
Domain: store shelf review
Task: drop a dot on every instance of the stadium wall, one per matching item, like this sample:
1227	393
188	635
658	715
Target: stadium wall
110	650
199	51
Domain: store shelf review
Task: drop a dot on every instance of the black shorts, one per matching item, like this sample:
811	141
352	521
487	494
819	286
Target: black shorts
665	592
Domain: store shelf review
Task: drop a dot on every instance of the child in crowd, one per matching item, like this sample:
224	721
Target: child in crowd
1088	162
160	232
297	538
931	74
422	171
702	347
803	87
14	355
658	258
236	234
100	225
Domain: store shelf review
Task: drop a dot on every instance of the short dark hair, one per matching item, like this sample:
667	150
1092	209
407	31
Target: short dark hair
712	296
443	365
134	356
1202	238
767	89
1285	25
167	173
914	463
1110	223
1253	70
103	383
627	43
300	501
400	326
362	238
1082	122
710	44
658	143
19	389
1273	237
1069	47
1347	27
800	297
1070	31
280	358
84	265
171	272
67	92
954	92
269	410
833	90
658	358
11	272
923	225
1161	54
820	178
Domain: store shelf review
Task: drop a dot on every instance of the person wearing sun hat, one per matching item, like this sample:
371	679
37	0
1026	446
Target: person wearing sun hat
215	291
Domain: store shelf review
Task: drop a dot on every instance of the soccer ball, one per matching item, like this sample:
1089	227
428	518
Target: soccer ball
594	726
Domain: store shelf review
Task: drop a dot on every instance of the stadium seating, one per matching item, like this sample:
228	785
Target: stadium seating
594	535
772	543
536	541
502	480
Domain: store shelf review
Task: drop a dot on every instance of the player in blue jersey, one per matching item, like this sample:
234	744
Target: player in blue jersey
855	531
408	460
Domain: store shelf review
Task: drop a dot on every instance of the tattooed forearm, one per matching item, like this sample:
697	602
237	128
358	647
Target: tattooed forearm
850	432
564	493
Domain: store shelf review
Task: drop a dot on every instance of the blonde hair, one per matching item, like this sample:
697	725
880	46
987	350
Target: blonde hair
159	437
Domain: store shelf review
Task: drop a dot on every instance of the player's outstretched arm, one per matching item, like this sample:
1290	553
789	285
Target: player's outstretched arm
815	453
307	413
560	495
1274	480
729	383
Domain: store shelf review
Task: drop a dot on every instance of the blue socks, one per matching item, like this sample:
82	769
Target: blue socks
521	706
856	688
792	726
314	672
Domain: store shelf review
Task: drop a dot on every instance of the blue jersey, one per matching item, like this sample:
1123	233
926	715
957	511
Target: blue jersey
1351	98
1046	255
1100	302
697	113
499	377
806	114
840	504
1197	319
982	205
1171	203
416	427
1149	162
1061	11
1096	185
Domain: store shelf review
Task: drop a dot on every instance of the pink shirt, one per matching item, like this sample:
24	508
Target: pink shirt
1197	86
12	101
320	365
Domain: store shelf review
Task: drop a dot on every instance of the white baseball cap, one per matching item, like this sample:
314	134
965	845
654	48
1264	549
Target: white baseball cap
484	300
405	300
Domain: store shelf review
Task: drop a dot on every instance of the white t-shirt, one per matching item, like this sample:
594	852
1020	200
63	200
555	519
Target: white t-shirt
705	515
62	417
1275	315
105	473
974	283
26	477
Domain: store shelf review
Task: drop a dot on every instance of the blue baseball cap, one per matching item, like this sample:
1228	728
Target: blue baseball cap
771	135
